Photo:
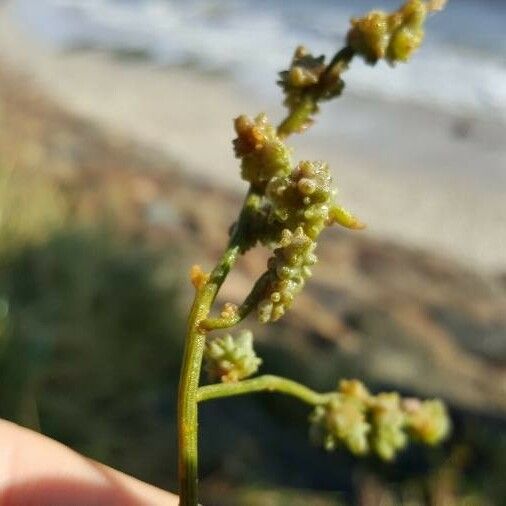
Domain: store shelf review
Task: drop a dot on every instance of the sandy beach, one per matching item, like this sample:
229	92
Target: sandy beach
417	176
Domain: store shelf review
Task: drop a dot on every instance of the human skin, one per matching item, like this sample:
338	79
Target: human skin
38	471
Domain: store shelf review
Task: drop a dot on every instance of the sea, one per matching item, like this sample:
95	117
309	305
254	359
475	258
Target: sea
461	67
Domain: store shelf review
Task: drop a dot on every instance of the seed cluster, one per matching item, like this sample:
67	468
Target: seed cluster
391	36
382	424
230	360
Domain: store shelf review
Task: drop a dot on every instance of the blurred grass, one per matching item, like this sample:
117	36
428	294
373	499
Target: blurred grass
31	208
91	332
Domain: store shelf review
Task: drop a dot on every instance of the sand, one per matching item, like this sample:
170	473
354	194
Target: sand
417	176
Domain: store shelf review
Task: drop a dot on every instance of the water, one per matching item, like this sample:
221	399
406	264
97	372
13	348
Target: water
461	68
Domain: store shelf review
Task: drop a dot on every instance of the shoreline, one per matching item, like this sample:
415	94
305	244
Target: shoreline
425	191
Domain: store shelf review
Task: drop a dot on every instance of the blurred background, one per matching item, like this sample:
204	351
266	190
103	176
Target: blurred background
117	174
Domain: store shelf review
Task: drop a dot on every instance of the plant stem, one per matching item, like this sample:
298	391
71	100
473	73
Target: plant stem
340	61
191	366
244	309
190	376
267	383
297	118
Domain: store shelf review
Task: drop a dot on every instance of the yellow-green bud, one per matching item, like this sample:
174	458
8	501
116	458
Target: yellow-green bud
388	421
305	198
354	388
229	360
369	36
288	270
395	36
427	421
340	422
381	423
263	155
305	83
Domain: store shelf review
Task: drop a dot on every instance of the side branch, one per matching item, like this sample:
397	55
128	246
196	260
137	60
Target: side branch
244	309
327	87
267	383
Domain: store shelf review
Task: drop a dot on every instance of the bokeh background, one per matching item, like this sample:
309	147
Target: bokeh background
117	174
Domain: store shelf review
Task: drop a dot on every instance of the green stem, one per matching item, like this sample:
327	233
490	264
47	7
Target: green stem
251	301
340	61
267	383
298	118
190	376
191	366
189	382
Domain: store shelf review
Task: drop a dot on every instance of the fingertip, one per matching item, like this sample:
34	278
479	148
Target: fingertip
38	471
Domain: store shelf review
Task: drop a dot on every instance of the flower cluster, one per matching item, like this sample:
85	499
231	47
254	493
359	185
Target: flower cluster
383	423
307	81
305	198
391	36
263	154
288	270
287	209
230	360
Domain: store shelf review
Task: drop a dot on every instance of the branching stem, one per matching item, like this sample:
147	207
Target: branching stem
302	98
267	383
190	375
191	367
300	117
199	324
244	309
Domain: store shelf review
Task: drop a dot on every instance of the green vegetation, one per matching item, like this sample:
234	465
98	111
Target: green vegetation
89	328
31	208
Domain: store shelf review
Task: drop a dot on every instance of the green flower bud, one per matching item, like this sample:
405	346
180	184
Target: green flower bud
354	389
369	36
393	37
307	81
288	270
302	198
305	70
263	155
230	360
305	198
341	422
427	421
388	421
